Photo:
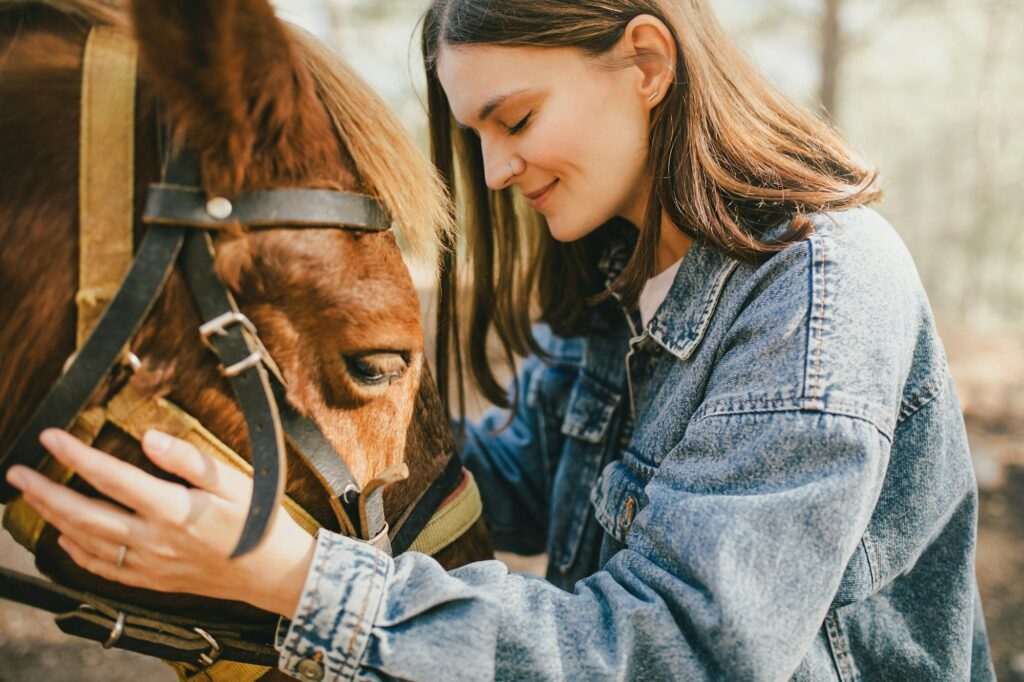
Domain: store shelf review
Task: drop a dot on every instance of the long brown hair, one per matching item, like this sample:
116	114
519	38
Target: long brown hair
730	157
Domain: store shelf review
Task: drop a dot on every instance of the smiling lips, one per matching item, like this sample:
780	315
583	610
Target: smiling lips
537	198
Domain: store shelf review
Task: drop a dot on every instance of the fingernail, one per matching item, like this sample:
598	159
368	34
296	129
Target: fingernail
50	439
156	442
16	477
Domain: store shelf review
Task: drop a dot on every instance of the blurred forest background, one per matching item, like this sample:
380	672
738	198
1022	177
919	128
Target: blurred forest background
932	92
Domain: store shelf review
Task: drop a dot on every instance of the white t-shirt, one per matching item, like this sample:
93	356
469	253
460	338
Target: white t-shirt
656	290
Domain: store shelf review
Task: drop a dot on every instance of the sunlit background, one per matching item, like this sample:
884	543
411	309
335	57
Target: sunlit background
932	92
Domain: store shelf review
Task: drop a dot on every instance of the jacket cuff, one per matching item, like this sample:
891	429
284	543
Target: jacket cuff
328	635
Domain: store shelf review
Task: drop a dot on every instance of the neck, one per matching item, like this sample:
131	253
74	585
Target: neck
672	245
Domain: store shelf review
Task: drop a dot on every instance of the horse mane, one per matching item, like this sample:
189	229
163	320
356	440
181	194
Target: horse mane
411	190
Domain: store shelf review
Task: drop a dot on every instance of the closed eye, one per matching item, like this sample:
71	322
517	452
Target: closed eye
377	368
519	127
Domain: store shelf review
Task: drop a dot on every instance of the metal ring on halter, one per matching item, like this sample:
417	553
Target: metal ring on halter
122	552
133	361
116	631
349	490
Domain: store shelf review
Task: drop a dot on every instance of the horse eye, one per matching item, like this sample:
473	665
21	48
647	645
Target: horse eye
377	368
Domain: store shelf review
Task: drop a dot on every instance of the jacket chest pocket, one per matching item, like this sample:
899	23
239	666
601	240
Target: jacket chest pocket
587	428
618	498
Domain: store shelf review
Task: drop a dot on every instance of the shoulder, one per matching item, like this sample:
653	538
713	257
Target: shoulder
838	322
855	250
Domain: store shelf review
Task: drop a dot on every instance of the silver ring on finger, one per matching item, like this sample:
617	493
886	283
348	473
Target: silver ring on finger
122	552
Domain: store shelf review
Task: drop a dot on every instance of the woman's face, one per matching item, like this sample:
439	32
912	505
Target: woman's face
570	135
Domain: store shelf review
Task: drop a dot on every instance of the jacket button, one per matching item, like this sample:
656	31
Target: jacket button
627	514
310	669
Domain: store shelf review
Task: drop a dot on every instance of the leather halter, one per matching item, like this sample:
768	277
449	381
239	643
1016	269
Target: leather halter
180	219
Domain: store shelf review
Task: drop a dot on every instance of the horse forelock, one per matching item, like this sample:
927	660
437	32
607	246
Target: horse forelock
389	163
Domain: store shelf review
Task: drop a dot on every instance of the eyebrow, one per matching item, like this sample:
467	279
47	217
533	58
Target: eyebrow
495	102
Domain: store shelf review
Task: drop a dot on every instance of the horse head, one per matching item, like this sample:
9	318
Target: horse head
261	106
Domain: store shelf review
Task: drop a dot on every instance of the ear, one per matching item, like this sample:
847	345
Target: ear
235	88
651	46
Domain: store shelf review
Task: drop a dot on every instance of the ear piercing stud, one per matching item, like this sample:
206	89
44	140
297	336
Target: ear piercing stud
653	97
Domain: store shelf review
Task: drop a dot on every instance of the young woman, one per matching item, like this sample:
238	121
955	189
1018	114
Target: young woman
735	434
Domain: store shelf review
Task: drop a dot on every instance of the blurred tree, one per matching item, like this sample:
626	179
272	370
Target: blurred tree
830	54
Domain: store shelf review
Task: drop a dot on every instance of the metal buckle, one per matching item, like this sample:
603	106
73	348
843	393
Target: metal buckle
209	658
239	367
116	631
218	326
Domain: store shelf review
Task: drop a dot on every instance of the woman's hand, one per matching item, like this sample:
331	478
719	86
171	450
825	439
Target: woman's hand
178	539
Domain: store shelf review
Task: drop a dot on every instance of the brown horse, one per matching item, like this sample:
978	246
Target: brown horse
267	107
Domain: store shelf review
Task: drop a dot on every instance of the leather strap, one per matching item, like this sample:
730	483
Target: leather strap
323	460
416	519
106	206
161	635
235	345
119	323
457	514
188	205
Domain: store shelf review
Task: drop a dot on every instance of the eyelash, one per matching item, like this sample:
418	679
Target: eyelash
519	127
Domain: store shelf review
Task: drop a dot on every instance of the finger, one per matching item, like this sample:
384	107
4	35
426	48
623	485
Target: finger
97	547
198	468
118	480
74	513
106	569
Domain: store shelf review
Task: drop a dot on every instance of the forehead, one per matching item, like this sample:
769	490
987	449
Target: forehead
471	75
347	281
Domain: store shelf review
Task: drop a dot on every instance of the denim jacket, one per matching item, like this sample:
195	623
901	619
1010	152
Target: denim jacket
770	481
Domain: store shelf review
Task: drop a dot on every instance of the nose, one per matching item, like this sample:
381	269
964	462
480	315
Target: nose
501	165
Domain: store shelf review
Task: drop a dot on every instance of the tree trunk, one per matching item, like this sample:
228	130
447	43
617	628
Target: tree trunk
831	38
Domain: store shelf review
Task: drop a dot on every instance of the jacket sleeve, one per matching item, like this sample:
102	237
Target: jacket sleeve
711	585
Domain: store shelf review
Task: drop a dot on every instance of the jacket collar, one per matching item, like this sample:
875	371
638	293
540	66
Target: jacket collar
682	320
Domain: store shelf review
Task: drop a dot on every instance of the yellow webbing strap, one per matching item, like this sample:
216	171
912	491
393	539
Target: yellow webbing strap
134	413
106	209
221	671
106	177
22	521
452	520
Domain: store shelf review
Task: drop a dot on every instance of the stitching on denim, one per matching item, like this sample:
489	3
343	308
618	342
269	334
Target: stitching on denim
638	466
835	409
840	653
871	555
810	315
931	390
303	628
364	625
813	392
699	329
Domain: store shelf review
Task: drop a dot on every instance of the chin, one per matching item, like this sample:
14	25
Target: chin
570	230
